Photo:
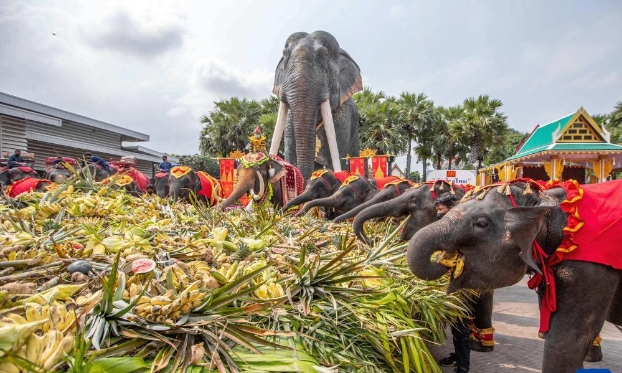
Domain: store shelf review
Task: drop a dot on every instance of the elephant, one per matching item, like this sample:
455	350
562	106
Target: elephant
125	182
351	193
27	185
183	180
490	240
416	202
323	183
96	172
159	185
58	175
12	175
267	178
390	190
314	81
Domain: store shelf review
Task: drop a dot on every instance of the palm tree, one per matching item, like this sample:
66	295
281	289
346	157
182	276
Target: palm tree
615	124
456	149
484	124
416	114
231	122
380	130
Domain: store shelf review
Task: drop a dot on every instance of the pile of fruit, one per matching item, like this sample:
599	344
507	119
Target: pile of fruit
95	280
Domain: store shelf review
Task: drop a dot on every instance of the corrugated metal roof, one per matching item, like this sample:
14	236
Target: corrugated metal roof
21	103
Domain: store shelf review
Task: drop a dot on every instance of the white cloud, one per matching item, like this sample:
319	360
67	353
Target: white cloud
397	12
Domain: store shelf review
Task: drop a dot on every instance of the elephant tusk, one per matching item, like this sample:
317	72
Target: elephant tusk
262	188
279	128
329	127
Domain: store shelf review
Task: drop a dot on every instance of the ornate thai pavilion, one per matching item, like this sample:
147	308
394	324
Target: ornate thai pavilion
572	147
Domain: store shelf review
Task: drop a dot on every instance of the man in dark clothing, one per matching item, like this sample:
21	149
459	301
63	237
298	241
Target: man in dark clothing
460	331
90	158
165	166
15	160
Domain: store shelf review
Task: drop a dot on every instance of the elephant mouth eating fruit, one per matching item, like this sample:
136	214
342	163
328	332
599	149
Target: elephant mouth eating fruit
452	261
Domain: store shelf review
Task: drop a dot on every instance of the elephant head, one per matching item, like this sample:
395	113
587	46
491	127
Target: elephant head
315	80
490	238
58	175
388	192
323	183
95	172
417	203
183	180
159	185
257	174
351	193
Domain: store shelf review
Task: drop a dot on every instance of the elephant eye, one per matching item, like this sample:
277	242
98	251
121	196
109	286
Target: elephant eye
481	223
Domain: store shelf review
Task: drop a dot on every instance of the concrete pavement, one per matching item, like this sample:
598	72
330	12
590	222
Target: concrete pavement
518	348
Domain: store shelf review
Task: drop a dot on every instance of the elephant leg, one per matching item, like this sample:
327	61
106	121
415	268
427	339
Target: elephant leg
584	293
482	331
594	352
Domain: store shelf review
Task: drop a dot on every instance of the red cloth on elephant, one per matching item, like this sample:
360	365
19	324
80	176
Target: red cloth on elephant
209	187
22	186
594	223
381	182
160	175
139	178
292	183
25	169
341	175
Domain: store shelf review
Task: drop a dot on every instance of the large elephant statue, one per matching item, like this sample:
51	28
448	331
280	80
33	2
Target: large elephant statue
352	192
390	190
159	185
314	81
492	239
183	180
12	175
265	178
323	183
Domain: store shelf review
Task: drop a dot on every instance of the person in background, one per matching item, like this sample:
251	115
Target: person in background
58	162
90	158
460	331
16	160
165	166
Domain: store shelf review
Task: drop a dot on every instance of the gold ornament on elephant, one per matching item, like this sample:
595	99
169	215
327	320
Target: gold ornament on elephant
257	141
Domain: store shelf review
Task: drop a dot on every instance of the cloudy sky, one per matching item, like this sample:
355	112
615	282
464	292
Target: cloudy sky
157	66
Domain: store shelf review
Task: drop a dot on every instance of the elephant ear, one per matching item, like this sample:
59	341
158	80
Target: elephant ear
276	171
522	226
4	178
350	80
279	74
197	181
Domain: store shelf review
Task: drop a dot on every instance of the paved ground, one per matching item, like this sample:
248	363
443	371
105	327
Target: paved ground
518	348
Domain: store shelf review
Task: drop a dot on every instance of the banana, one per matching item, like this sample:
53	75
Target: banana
62	347
33	314
160	300
222	280
165	310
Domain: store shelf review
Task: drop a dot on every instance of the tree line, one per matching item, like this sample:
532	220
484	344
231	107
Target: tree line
468	135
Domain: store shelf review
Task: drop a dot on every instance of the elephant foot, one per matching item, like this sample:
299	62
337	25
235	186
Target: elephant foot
482	340
594	353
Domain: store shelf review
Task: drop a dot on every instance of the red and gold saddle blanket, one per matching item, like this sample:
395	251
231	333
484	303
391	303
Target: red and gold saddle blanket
292	183
594	223
210	187
160	175
22	186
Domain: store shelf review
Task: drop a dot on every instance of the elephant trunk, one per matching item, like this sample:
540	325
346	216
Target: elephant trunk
332	201
388	208
378	198
421	247
304	118
243	185
299	200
